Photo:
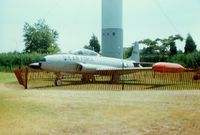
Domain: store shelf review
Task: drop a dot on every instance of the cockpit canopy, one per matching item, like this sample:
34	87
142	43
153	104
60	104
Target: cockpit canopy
84	52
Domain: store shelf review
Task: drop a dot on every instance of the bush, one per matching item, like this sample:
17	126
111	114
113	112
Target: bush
191	60
153	58
8	61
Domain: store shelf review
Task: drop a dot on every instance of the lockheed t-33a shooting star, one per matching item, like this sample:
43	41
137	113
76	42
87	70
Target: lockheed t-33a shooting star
88	63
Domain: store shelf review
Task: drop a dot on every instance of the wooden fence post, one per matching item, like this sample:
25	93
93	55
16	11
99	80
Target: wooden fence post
26	79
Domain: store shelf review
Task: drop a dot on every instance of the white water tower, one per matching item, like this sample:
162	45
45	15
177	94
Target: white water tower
112	32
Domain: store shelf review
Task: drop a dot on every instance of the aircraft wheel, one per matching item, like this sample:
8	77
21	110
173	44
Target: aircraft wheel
58	82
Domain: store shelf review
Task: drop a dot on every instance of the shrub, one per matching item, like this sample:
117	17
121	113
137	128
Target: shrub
8	61
191	60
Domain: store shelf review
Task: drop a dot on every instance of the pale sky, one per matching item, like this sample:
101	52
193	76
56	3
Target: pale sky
77	20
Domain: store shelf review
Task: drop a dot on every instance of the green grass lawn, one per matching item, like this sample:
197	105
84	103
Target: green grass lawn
53	111
7	77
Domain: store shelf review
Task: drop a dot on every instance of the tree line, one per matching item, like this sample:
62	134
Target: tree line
165	50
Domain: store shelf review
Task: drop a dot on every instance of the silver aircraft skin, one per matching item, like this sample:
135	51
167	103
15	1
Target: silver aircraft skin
86	62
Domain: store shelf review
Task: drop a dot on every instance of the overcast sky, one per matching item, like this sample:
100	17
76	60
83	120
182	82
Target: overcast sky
77	20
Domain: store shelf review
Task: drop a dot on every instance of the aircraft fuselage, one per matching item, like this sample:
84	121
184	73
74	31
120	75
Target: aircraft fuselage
74	63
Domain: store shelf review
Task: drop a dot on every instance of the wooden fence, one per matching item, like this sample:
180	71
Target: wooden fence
140	80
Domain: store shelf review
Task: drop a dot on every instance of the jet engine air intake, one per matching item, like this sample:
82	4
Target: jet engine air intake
79	68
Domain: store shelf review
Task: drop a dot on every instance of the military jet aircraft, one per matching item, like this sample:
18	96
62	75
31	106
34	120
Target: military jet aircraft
87	63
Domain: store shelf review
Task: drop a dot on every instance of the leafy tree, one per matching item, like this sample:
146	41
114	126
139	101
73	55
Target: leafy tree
88	47
53	49
190	45
94	44
168	45
151	48
160	49
40	38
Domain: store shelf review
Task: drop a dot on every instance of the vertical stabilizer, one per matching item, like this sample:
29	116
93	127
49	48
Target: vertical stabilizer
135	53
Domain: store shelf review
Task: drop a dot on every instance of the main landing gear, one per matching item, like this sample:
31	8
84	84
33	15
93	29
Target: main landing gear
88	78
58	82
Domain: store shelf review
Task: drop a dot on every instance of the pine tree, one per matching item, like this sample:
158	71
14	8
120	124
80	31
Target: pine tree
190	45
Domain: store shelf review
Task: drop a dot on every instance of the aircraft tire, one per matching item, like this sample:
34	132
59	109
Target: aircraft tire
58	82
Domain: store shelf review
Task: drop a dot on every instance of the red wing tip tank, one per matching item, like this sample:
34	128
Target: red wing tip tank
165	67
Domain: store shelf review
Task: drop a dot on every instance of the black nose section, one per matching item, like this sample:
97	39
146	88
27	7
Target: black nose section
35	65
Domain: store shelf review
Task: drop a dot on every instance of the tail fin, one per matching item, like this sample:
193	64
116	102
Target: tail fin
135	56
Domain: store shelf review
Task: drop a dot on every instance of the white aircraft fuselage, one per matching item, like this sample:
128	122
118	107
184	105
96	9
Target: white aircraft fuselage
81	63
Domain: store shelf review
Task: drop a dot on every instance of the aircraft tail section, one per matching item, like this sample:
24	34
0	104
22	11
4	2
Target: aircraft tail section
135	56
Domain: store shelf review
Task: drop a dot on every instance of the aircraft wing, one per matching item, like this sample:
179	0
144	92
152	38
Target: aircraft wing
108	70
